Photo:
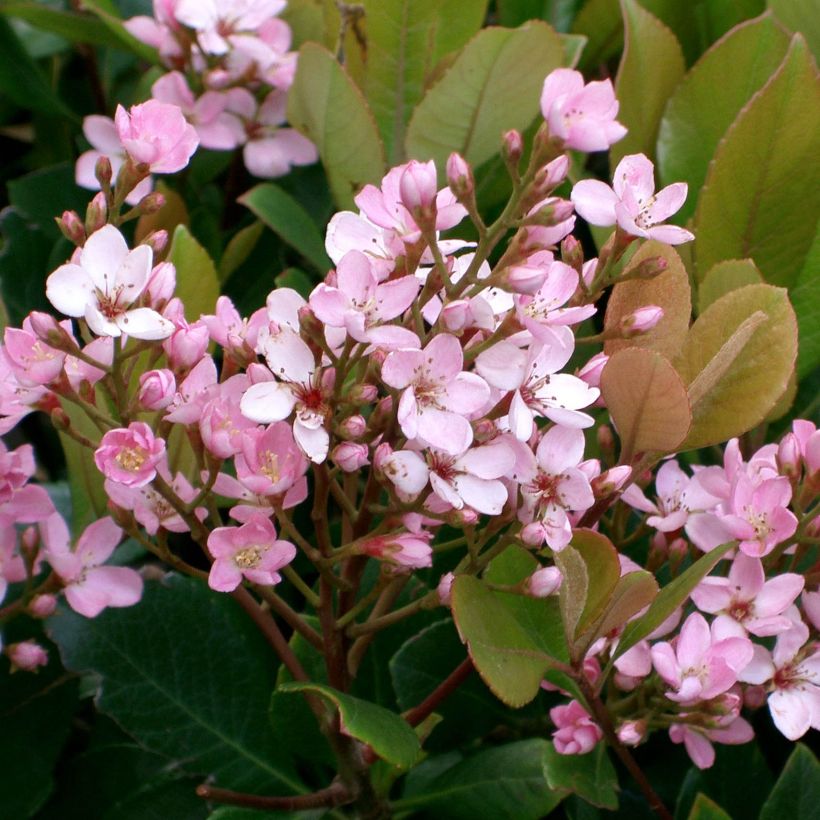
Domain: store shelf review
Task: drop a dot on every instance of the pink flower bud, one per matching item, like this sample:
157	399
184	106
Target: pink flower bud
41	606
611	481
363	394
407	550
523	279
544	582
591	371
151	203
26	656
512	147
463	518
550	212
47	329
632	732
788	456
649	268
157	389
96	215
533	534
161	283
576	732
71	227
353	426
444	588
186	345
460	176
103	172
130	455
418	186
572	253
350	456
641	321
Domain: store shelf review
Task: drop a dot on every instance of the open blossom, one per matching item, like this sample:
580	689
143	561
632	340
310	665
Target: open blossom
104	284
157	135
217	22
582	116
669	512
270	462
437	395
89	586
698	740
251	551
632	202
130	455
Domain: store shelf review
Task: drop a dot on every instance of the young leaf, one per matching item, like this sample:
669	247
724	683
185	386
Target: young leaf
106	12
591	776
737	361
805	296
327	107
706	809
647	401
289	220
799	15
239	248
765	178
197	282
797	791
390	737
651	67
494	85
696	117
725	277
633	592
673	595
669	290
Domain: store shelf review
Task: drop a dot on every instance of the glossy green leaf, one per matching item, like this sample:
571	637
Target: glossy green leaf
646	400
107	14
558	13
797	791
696	117
706	809
289	220
405	41
591	776
174	212
306	21
78	28
510	658
669	290
574	45
805	296
197	281
651	67
737	362
494	85
327	107
725	277
239	248
201	700
504	783
673	595
765	178
802	16
390	737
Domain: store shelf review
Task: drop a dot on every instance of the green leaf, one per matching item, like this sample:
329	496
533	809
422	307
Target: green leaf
574	45
651	67
197	282
558	13
510	660
493	85
405	41
503	783
669	290
633	592
327	107
36	712
186	673
762	191
725	277
737	362
705	809
800	15
306	20
390	737
108	16
673	595
805	296
295	279
289	220
78	28
647	401
696	117
239	248
591	776
797	791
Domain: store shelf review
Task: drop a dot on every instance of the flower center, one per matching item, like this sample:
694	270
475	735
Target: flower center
269	466
131	458
249	557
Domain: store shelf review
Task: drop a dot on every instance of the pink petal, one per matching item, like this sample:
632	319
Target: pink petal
98	541
224	575
488	497
122	585
267	401
399	368
446	431
465	394
668	201
104	252
595	201
669	234
144	323
559	448
791	712
694	641
635	172
778	594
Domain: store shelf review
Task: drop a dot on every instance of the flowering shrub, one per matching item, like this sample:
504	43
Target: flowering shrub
472	507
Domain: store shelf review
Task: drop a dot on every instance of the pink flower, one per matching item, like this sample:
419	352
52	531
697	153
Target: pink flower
437	395
270	462
556	488
156	134
405	469
157	389
411	550
26	656
746	601
418	186
33	361
230	330
576	733
670	512
222	424
582	116
187	342
698	740
104	284
632	202
89	586
251	551
130	455
218	22
700	666
640	321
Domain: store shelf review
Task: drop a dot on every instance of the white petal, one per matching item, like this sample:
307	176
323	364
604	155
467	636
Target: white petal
144	323
70	289
102	255
267	401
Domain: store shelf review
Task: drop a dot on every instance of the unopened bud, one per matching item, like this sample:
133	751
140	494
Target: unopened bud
548	178
363	394
157	389
161	284
444	588
157	241
71	227
151	203
550	212
26	656
606	440
534	534
649	268
522	278
96	214
512	147
41	606
463	518
350	456
353	426
788	456
460	177
309	326
632	732
609	482
104	172
417	188
47	329
591	371
544	582
641	321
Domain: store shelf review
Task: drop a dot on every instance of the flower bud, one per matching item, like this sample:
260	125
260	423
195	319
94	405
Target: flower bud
418	187
353	426
544	582
104	172
157	389
26	656
349	456
641	321
550	212
186	345
161	283
632	732
71	227
460	177
41	606
150	204
363	394
609	482
606	440
788	456
47	329
96	214
649	268
522	278
572	253
591	371
444	588
533	534
588	271
512	147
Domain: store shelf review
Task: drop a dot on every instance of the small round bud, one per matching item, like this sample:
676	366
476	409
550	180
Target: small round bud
788	456
104	172
632	732
418	187
460	176
649	268
41	606
363	394
350	456
71	227
512	148
26	656
96	214
353	426
157	389
640	321
544	582
151	203
609	482
157	241
572	253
